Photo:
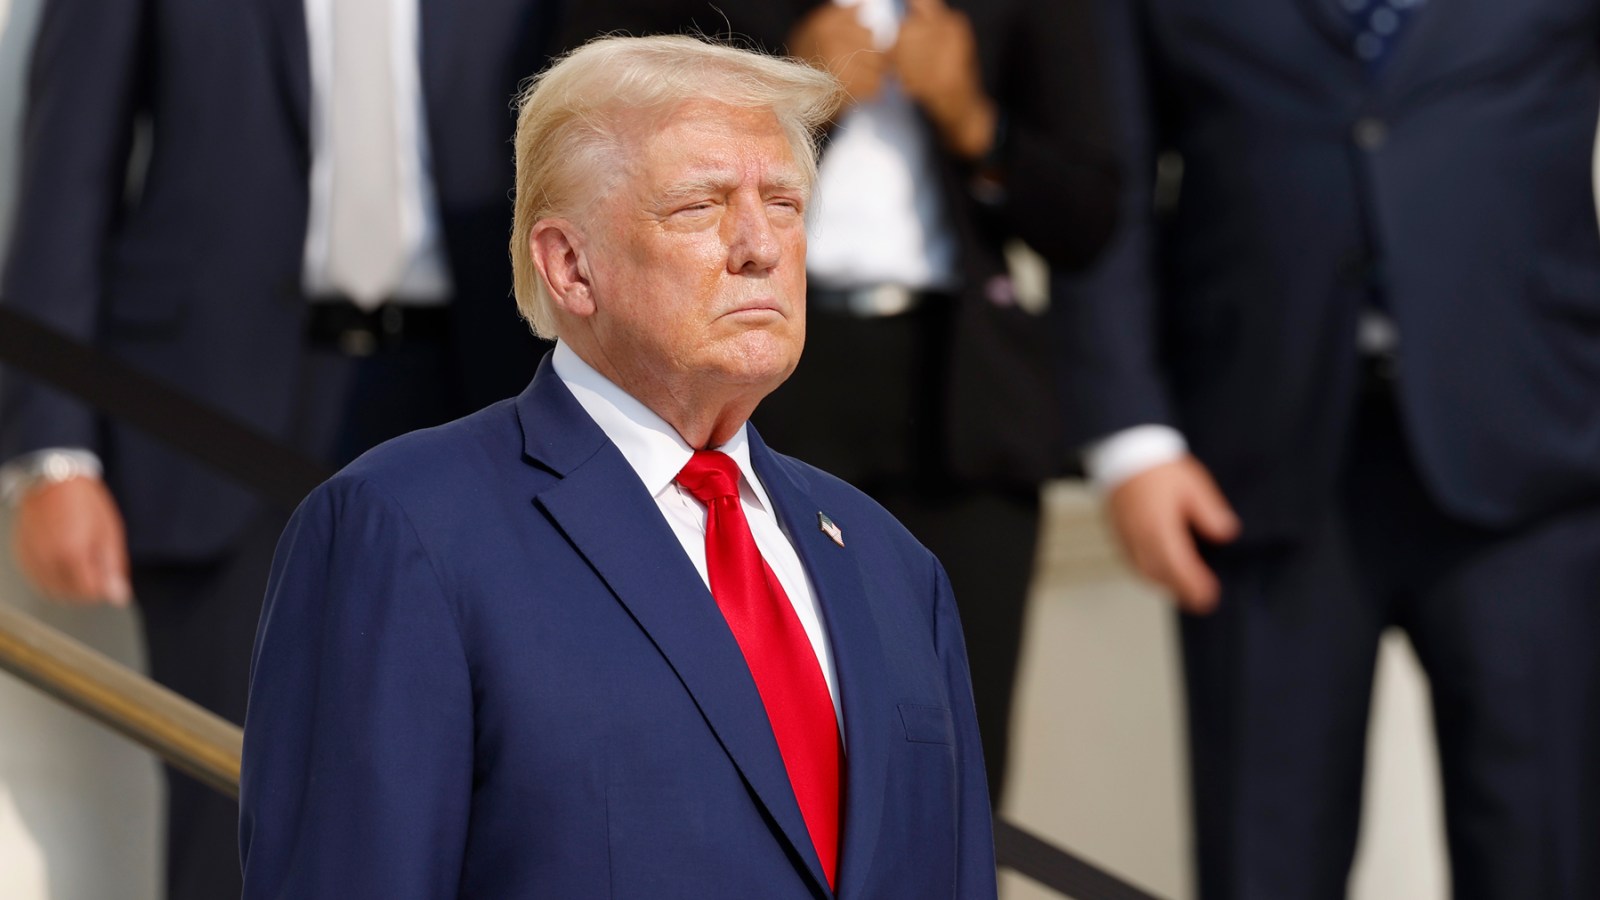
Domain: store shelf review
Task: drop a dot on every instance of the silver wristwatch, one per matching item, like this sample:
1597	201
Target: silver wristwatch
41	467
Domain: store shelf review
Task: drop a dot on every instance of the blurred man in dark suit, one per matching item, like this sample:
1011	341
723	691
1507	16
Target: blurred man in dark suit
1347	378
308	239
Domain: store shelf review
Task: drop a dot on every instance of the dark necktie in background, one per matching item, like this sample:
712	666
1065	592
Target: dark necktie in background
1377	25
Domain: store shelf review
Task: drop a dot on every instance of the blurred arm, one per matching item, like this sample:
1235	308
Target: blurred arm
89	60
1112	460
68	536
1108	319
1160	500
1159	513
1055	152
832	38
935	56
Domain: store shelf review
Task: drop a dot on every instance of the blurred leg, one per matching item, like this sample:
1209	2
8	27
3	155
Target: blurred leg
1505	624
1279	683
200	623
1508	638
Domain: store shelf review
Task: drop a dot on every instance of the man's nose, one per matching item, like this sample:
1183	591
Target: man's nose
753	244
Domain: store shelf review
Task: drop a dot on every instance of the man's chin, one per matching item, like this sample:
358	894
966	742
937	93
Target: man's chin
760	367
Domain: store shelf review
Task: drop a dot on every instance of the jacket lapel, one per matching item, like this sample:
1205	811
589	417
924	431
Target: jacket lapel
1333	23
858	659
604	511
284	27
1438	20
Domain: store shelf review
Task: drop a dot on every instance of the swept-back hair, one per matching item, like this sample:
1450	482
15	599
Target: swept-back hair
572	117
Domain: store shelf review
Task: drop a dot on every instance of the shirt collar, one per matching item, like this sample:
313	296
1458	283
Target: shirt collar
653	448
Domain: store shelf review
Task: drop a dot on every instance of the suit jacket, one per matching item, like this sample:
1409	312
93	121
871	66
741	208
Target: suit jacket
191	267
1455	183
488	669
1038	60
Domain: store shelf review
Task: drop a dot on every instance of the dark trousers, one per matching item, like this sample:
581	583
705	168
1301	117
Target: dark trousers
200	617
866	405
199	624
1280	678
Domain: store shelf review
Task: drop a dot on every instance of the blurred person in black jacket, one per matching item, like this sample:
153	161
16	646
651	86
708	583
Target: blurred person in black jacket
923	381
314	245
1348	379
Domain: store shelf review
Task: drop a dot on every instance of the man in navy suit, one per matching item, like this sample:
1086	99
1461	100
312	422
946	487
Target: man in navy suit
599	640
210	258
1347	377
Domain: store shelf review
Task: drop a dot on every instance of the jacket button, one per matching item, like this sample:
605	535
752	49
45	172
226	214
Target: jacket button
1370	133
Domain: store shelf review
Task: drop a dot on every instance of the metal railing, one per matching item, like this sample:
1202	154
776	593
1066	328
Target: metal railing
190	738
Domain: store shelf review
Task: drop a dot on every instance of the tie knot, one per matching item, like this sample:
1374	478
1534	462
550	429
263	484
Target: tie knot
710	475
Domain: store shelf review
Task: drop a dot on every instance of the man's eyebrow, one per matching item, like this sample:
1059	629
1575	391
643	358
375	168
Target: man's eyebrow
716	182
697	185
789	181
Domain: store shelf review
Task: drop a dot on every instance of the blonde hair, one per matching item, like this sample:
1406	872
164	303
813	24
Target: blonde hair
572	116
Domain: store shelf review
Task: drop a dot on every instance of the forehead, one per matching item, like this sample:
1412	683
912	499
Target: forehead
700	137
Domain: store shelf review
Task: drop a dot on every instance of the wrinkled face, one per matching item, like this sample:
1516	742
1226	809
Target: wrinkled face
699	265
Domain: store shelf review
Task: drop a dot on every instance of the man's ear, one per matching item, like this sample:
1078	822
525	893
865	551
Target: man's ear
558	248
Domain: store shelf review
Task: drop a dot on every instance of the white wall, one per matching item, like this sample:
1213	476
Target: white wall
79	806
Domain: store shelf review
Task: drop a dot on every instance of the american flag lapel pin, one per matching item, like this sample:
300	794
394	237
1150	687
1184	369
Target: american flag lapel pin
830	529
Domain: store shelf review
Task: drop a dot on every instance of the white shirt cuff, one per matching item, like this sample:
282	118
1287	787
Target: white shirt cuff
1112	460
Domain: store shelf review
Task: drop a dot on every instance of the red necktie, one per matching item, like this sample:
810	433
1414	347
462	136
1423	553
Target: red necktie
776	649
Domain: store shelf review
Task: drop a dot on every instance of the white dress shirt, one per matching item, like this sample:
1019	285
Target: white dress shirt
657	454
426	277
879	216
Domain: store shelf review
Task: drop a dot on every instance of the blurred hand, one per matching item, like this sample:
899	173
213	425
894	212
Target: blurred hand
936	59
1157	515
70	543
831	37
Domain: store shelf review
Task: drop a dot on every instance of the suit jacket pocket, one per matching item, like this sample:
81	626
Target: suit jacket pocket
928	724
